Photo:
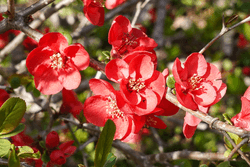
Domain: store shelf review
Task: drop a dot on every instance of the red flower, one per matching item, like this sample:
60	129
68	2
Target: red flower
242	41
94	11
198	86
242	119
4	37
140	84
70	103
52	140
3	96
57	157
246	70
109	104
55	65
125	39
30	44
67	148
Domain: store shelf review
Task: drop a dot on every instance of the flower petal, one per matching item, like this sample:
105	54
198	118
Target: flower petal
101	87
95	110
46	80
195	64
205	96
69	76
141	67
94	12
188	131
111	4
78	55
38	57
178	72
55	40
185	99
155	122
191	120
123	126
116	70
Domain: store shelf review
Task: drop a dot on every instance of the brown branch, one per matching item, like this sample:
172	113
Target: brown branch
195	155
11	9
235	146
244	141
223	31
51	116
97	65
35	24
219	125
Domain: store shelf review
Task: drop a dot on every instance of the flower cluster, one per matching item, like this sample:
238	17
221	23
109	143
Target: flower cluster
94	11
198	86
55	65
58	153
140	99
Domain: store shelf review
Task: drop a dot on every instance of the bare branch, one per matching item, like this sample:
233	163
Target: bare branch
195	155
222	32
35	7
11	9
97	65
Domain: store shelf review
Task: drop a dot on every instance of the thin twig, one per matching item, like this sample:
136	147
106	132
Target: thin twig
51	117
223	31
158	139
93	139
235	147
139	7
244	141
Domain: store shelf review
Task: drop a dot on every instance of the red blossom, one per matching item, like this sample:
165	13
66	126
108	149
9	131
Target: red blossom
242	119
141	85
3	96
246	70
30	44
52	140
125	39
55	65
57	157
70	103
198	86
242	41
109	104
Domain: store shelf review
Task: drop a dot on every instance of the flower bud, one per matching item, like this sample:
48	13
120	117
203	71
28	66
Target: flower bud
52	140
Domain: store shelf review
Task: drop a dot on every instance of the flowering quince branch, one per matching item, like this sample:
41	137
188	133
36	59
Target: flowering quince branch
224	30
207	118
11	9
34	24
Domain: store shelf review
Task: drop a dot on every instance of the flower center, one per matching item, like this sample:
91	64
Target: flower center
56	61
128	40
113	109
195	81
136	85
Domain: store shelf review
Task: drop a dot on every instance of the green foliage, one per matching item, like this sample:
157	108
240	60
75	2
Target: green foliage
27	152
110	160
13	158
11	113
18	129
227	64
246	31
224	164
235	85
104	143
171	81
182	163
4	147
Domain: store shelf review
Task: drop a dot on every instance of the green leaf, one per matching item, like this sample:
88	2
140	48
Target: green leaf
110	160
203	165
81	165
226	117
36	155
42	144
4	147
11	113
224	164
25	149
13	158
226	154
104	143
171	81
45	157
18	129
15	82
246	31
227	64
